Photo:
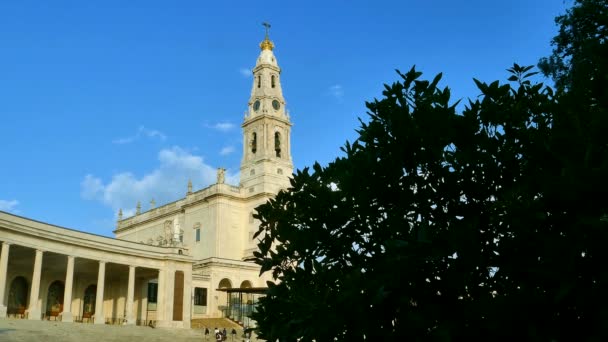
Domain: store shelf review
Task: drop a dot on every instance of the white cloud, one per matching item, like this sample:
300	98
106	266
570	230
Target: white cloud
90	187
9	206
168	182
152	133
224	126
246	72
141	132
336	91
227	150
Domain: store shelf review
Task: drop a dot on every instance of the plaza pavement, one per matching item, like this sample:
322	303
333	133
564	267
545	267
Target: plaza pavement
21	330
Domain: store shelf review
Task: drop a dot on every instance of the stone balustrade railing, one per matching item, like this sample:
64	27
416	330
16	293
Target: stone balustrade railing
176	206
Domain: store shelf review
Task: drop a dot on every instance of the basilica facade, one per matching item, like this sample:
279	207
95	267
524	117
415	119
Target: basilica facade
166	265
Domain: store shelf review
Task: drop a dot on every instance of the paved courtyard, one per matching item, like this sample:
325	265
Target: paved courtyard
19	330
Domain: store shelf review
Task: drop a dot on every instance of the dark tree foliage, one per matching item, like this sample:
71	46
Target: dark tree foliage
579	61
435	225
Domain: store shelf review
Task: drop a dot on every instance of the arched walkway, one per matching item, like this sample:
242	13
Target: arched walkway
47	271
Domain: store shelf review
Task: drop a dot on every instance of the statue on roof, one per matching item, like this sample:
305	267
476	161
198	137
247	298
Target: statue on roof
221	175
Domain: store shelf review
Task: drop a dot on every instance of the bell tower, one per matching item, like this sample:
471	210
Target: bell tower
267	164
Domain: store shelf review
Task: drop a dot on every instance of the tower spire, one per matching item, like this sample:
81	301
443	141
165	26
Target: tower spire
266	164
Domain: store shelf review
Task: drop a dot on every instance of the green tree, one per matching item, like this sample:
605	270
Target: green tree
438	225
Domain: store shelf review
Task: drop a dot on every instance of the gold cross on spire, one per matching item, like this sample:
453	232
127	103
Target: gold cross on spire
267	26
266	44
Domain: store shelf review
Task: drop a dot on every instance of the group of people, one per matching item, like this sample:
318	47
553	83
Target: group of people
223	334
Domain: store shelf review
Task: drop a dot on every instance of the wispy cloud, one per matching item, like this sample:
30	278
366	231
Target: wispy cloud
221	126
9	206
336	91
167	182
246	72
142	132
226	150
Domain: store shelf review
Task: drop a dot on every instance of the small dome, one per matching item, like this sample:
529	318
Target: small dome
267	57
266	44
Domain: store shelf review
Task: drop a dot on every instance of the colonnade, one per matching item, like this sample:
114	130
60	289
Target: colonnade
165	313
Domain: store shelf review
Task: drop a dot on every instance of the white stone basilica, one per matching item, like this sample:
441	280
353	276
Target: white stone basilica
166	265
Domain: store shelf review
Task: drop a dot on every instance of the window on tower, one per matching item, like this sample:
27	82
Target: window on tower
259	81
272	81
254	142
277	144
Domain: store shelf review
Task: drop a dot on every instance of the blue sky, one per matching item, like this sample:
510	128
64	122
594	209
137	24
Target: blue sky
103	103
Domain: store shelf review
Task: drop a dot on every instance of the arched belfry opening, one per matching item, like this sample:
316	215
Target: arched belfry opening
254	142
277	144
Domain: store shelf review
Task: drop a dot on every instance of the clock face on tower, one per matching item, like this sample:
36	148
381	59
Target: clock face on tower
276	105
256	105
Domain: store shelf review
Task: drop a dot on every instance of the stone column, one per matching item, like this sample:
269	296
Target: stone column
33	311
3	270
143	303
161	299
169	294
66	315
187	304
101	277
130	317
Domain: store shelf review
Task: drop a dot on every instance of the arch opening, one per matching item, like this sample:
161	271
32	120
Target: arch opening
54	299
17	297
225	284
88	302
